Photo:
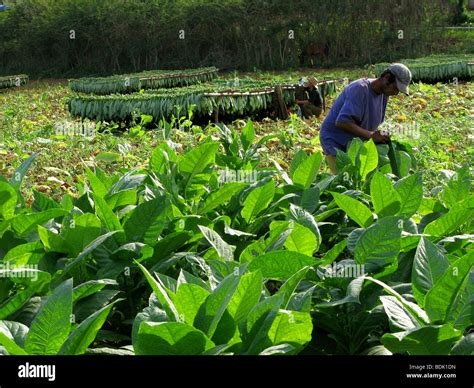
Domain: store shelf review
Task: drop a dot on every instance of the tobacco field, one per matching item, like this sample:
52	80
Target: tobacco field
157	234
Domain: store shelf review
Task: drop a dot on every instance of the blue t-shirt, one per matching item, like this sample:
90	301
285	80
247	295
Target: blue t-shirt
357	103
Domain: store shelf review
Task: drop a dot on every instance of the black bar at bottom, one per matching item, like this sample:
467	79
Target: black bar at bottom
375	371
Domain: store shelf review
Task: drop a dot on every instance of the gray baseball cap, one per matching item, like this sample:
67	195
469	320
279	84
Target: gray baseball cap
402	76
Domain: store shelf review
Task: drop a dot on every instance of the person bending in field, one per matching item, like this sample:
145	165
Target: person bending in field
308	98
360	109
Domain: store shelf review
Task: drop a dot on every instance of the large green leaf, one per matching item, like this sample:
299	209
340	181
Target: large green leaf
87	250
170	338
288	288
10	346
42	202
356	210
146	221
385	199
369	158
80	339
29	253
302	301
247	135
185	277
152	313
91	287
8	198
159	158
410	190
188	299
254	330
307	171
302	240
280	265
379	243
246	296
394	158
457	189
105	214
452	297
279	232
80	232
291	327
196	160
257	201
465	347
449	222
412	308
51	326
352	293
161	294
399	317
223	249
353	151
98	187
310	199
91	304
212	311
429	265
298	158
217	198
122	198
35	281
129	180
12	337
404	162
332	254
307	220
25	223
20	172
52	241
168	245
423	341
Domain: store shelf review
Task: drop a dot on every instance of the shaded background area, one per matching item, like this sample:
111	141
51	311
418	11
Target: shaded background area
118	36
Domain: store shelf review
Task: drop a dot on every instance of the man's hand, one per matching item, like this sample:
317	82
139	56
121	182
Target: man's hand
361	132
379	137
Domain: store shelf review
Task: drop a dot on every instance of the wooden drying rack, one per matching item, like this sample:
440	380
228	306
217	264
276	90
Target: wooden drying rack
257	92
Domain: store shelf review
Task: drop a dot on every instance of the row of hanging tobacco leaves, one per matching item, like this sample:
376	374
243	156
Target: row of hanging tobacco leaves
243	98
437	68
151	79
13	81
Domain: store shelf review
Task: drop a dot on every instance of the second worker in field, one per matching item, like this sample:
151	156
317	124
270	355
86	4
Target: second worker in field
308	98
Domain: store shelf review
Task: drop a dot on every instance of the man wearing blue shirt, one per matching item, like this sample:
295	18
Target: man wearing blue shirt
360	109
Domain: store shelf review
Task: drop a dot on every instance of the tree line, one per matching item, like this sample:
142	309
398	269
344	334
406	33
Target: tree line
95	37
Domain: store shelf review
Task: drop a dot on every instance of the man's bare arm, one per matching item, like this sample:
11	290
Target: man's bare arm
302	102
354	129
363	133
